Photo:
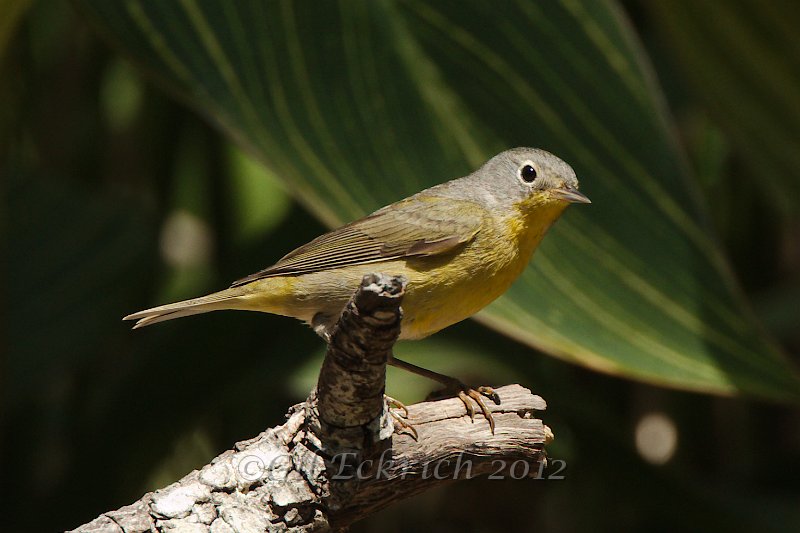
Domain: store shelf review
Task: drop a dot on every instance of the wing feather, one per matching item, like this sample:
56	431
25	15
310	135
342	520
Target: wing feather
413	227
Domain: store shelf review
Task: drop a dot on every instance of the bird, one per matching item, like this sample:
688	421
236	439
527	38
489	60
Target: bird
459	244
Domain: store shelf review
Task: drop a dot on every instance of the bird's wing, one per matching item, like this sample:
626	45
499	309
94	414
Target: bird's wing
417	226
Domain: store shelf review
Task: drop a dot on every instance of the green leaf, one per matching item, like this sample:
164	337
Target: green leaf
357	104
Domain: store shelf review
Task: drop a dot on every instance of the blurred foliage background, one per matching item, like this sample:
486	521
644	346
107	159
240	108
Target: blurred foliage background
120	192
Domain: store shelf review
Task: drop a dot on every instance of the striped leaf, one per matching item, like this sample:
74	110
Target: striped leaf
359	103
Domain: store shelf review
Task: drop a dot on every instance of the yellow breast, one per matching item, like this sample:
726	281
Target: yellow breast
447	289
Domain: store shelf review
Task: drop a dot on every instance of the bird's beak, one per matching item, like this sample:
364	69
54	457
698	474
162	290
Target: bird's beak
571	195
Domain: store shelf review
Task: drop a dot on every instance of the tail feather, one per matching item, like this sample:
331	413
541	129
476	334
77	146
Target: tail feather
227	299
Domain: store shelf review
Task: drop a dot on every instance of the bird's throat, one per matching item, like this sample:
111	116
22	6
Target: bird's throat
529	229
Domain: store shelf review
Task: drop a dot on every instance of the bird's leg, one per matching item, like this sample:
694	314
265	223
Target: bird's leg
464	392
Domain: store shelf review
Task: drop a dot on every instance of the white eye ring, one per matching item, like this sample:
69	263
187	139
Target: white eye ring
527	173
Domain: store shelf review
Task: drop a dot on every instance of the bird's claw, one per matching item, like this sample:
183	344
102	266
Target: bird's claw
490	393
401	420
396	404
477	395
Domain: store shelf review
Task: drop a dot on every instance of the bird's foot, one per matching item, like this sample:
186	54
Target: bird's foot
401	420
465	394
468	395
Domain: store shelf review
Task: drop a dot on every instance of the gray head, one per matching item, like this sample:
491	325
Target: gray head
530	176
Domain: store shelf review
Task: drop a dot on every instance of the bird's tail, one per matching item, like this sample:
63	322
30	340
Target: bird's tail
233	298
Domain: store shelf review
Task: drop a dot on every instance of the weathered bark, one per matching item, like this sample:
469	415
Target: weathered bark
337	457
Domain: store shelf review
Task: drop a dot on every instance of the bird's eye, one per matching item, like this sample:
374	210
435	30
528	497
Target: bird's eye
527	173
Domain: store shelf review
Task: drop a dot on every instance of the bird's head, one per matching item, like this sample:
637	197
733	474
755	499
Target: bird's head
530	179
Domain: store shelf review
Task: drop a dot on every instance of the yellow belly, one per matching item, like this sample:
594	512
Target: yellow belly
439	297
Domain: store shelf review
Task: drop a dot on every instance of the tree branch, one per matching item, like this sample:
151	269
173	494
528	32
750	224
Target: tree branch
337	457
